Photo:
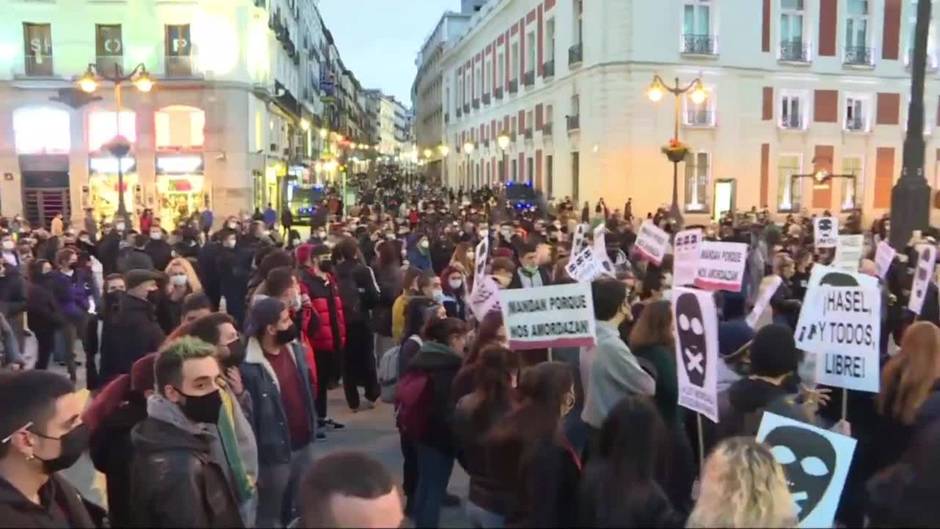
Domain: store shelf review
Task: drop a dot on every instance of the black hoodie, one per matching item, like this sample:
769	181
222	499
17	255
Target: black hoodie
62	506
441	364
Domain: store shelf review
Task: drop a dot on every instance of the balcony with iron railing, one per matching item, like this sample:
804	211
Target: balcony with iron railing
459	112
513	86
476	103
178	65
699	44
106	63
547	129
575	54
855	124
573	122
794	51
548	69
931	59
486	99
498	93
859	56
39	66
793	122
528	78
527	133
466	108
699	118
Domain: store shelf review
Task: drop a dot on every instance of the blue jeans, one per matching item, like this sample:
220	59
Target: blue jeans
434	470
482	518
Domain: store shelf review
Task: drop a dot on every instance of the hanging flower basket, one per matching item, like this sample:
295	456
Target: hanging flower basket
675	151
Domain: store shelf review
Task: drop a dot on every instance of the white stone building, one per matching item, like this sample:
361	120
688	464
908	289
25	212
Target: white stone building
793	87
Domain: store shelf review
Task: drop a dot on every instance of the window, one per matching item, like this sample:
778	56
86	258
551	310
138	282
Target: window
578	21
103	127
487	81
514	62
576	105
792	110
696	181
856	33
529	165
550	176
179	127
576	177
549	40
478	89
530	52
37	42
41	130
530	120
697	28
852	166
788	194
931	36
500	68
856	113
459	89
701	114
178	50
547	118
515	169
792	18
109	47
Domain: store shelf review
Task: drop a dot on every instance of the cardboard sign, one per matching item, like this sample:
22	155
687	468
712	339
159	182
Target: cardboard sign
768	287
484	298
583	266
686	248
923	274
825	232
602	262
721	265
849	252
815	461
552	316
695	324
884	255
841	322
481	254
577	242
652	242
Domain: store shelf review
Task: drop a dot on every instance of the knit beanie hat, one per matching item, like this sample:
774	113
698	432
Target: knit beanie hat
264	312
773	351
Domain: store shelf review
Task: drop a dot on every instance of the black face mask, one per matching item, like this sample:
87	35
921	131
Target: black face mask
286	336
236	354
204	408
73	445
326	266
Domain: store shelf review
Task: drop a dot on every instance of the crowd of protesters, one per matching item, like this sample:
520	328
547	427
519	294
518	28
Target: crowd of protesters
210	350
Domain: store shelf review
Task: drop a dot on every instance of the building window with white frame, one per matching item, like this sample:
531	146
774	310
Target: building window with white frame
793	110
487	82
857	114
789	193
852	166
700	114
500	68
698	36
931	36
514	61
793	45
696	181
530	52
857	51
549	44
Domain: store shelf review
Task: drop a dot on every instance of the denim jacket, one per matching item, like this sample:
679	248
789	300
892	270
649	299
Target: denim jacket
268	418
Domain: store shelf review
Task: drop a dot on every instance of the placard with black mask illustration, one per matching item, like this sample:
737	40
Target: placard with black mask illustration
695	326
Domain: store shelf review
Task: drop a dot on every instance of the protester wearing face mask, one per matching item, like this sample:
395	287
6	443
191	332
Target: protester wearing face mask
276	375
455	293
41	433
419	252
134	330
177	473
234	265
530	274
8	250
158	249
134	256
503	270
182	281
71	291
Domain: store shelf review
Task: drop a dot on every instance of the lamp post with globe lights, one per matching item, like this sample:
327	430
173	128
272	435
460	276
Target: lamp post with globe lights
675	151
119	146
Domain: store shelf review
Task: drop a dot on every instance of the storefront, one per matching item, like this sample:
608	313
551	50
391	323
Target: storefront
102	194
42	139
267	187
181	187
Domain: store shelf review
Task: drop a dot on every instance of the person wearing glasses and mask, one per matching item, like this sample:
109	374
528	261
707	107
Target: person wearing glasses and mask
41	433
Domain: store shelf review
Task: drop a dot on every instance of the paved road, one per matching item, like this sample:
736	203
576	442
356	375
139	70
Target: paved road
370	431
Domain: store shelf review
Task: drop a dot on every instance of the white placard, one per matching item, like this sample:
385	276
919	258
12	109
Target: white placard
923	274
841	322
768	287
602	262
484	297
849	252
695	324
825	232
583	266
721	265
884	255
577	242
815	461
552	316
480	255
652	242
686	248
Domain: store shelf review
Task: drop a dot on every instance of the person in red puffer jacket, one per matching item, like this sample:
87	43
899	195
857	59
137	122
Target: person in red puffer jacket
326	329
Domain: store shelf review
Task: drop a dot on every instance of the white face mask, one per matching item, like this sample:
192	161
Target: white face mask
120	226
455	283
156	235
231	225
8	245
297	302
424	244
179	280
229	243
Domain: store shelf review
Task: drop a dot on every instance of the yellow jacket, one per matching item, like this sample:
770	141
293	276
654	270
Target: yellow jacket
398	316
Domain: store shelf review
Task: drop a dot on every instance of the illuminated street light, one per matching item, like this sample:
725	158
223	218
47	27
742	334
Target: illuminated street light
324	133
503	141
468	147
443	149
87	82
655	92
143	81
304	124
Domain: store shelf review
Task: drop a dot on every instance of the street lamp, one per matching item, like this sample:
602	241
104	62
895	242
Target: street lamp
822	180
119	146
675	151
503	141
468	149
443	149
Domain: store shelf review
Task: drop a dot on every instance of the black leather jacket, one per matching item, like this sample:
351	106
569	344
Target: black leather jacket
175	482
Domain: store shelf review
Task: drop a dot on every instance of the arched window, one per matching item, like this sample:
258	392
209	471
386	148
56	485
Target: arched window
41	130
180	127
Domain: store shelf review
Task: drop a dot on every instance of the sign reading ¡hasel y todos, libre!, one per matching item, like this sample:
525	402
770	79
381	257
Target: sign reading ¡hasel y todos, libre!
841	322
552	316
652	242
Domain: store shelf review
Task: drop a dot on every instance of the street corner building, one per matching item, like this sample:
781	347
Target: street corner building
804	105
244	96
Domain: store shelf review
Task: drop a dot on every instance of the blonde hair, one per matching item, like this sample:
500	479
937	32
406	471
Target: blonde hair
909	376
743	486
194	284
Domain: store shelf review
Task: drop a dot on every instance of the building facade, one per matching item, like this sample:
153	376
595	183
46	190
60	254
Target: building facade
793	87
231	123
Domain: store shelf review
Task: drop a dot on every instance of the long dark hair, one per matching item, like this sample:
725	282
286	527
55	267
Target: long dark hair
415	315
654	326
486	336
493	384
387	255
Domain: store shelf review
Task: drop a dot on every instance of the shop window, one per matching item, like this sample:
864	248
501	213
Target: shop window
41	130
180	127
103	127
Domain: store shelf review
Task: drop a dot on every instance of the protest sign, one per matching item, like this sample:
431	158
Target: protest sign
480	256
923	274
485	296
825	232
849	252
686	248
583	266
884	255
652	242
768	287
695	325
602	262
577	242
553	316
815	461
841	322
721	265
